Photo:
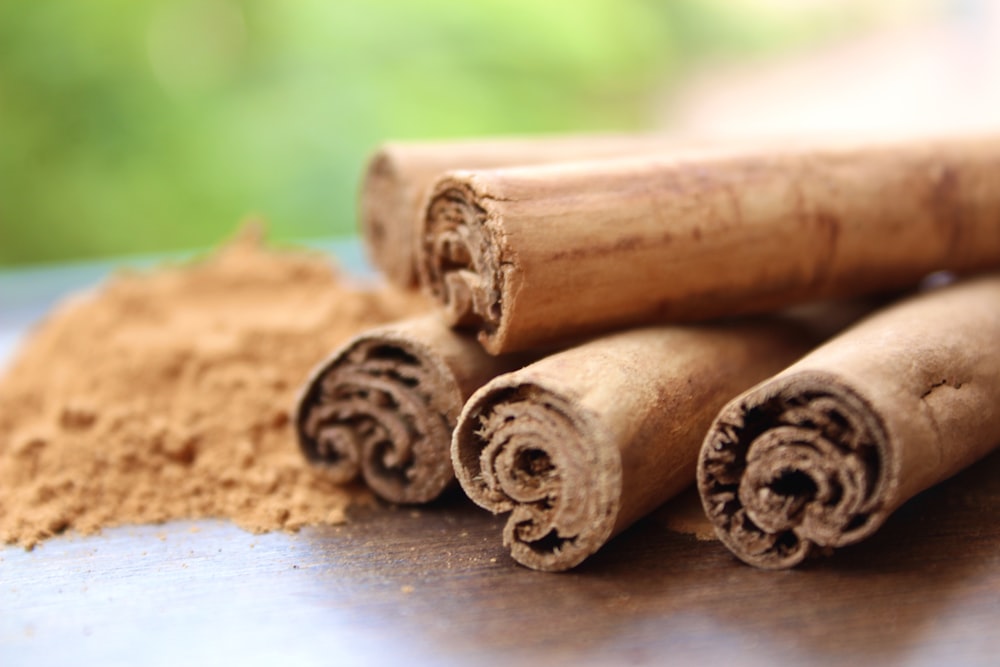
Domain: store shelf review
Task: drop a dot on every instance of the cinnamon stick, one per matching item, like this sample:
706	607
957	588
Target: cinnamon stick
532	254
579	445
399	174
383	406
820	455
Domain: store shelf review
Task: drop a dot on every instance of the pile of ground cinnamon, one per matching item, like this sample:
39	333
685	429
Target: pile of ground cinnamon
166	395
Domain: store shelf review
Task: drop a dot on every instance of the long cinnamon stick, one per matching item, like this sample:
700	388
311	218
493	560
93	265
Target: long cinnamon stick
399	174
384	405
579	445
818	456
530	255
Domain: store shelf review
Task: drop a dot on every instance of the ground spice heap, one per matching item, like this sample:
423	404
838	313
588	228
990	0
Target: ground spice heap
166	395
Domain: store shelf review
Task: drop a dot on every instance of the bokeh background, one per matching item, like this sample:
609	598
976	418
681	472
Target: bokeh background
136	126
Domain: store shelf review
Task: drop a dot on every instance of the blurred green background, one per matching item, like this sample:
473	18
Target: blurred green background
151	125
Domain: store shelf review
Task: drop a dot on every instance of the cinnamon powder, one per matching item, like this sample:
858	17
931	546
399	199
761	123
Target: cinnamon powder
166	395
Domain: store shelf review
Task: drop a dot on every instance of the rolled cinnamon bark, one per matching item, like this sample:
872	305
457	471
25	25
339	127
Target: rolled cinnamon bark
384	405
579	445
399	174
818	456
531	254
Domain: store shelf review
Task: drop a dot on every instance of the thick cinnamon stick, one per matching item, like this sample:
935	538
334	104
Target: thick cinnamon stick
530	255
579	445
384	405
399	174
818	456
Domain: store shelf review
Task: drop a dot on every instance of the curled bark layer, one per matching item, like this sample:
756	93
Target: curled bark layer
532	255
820	455
399	174
384	406
579	445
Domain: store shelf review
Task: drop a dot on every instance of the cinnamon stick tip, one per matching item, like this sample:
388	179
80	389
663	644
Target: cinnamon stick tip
382	406
386	219
525	449
798	464
459	253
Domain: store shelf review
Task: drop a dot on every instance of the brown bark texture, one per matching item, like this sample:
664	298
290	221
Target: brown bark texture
383	406
529	255
579	445
399	175
820	455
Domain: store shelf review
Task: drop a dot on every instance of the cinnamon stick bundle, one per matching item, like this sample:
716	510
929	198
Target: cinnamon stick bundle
532	254
383	406
818	456
579	445
399	174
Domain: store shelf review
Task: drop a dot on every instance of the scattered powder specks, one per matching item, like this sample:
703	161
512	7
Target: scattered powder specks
166	395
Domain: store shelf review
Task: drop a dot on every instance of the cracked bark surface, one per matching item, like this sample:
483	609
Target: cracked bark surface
820	455
399	174
531	255
579	445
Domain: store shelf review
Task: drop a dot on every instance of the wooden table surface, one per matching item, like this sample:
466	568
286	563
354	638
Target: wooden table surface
434	586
